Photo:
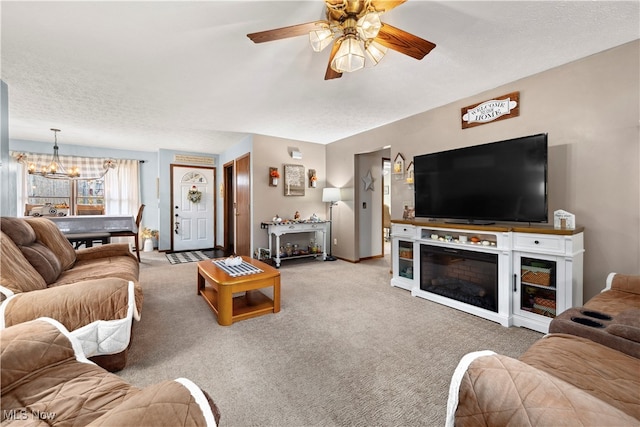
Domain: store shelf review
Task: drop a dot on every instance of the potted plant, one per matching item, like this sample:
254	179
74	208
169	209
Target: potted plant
148	235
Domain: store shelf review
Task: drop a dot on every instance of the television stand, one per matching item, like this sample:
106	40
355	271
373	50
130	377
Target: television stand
538	272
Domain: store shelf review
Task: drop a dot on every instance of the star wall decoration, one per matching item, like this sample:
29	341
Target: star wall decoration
368	181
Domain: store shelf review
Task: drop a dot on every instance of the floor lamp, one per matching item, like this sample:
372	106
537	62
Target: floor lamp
332	196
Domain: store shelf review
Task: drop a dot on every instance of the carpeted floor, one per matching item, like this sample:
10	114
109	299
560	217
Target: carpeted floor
347	349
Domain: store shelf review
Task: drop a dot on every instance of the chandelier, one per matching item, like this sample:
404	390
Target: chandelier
355	32
56	170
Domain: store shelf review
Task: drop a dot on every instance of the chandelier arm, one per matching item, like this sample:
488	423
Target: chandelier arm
56	169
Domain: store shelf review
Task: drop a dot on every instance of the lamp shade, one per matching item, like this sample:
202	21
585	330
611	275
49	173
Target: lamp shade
375	51
320	39
331	195
350	56
369	26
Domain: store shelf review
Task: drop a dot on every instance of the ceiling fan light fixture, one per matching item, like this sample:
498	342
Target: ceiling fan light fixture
320	39
350	56
375	51
369	25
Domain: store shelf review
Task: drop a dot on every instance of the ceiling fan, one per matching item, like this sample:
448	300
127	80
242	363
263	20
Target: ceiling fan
354	27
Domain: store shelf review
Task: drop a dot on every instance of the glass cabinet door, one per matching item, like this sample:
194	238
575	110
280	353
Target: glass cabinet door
405	259
537	282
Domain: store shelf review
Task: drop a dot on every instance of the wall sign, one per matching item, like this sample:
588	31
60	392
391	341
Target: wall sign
501	108
294	180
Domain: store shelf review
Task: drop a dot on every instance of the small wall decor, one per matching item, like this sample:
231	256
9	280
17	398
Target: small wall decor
397	169
194	195
398	164
294	180
501	108
313	179
367	180
409	179
274	175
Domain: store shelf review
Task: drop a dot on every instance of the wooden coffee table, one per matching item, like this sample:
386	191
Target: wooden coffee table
217	288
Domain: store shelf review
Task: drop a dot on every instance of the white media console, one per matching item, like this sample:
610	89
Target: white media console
510	274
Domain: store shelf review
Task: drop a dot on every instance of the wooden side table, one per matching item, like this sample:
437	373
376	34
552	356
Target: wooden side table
217	288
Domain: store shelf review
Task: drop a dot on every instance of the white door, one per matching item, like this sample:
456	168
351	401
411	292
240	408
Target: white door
193	207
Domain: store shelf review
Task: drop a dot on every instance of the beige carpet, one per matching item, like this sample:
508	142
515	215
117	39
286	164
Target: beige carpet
347	349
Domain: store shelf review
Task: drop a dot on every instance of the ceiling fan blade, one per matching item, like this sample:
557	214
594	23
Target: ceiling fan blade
286	32
331	73
403	42
386	5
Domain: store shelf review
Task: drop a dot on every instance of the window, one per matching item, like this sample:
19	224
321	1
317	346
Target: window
117	193
72	197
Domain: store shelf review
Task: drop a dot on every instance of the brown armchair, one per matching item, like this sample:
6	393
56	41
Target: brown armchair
45	373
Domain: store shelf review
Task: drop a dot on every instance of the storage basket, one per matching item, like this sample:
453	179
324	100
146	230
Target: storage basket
544	306
536	275
406	253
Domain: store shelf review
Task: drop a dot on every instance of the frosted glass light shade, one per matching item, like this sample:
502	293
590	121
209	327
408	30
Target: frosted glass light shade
375	51
350	56
320	39
369	25
331	195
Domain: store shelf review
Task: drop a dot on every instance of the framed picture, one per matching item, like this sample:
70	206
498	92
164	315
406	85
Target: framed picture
294	180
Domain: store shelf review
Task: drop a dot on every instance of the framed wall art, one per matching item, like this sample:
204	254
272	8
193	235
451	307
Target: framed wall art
294	180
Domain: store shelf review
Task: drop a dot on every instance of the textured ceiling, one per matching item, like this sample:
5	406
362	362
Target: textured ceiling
183	75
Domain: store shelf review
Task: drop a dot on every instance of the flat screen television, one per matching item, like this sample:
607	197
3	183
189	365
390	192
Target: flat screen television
498	181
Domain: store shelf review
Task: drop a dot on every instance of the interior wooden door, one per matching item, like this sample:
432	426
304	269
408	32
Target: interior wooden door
243	205
229	209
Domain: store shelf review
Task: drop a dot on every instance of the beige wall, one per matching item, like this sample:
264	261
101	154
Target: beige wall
589	108
269	201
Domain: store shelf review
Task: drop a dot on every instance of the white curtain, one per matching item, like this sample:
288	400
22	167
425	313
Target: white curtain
122	192
122	189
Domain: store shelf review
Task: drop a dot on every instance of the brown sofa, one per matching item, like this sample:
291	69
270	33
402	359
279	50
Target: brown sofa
584	372
47	380
93	292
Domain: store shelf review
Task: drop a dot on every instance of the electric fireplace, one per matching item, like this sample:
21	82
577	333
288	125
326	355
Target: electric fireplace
467	276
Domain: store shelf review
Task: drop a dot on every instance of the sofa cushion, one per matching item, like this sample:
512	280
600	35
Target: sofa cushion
74	306
607	374
626	283
613	301
626	325
51	236
18	230
18	275
493	390
39	256
43	260
122	267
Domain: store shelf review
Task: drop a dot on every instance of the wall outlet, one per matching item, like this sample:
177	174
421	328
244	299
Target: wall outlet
335	241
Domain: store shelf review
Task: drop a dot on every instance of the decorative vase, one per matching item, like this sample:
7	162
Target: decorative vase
274	181
148	245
